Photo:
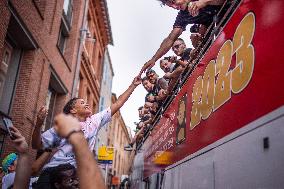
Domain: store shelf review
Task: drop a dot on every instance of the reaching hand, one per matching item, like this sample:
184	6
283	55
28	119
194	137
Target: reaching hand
194	7
196	39
148	65
151	98
167	75
137	81
173	59
65	124
19	141
41	115
162	94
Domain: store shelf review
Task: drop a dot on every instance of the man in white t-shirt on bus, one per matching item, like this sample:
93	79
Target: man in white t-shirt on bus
90	125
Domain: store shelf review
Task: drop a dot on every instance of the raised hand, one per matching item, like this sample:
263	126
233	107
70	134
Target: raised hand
41	115
151	98
19	141
65	124
137	81
147	66
194	7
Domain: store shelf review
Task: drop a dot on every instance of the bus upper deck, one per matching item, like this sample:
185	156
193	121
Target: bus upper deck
222	127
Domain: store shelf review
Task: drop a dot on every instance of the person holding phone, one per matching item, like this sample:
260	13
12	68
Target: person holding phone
8	124
17	166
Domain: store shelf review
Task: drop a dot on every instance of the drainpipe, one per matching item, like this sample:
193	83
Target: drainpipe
82	38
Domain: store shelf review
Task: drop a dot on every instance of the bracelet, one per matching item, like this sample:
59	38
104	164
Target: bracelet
69	134
48	150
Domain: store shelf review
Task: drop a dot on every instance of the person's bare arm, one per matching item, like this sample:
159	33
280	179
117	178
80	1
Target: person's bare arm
88	171
195	6
36	136
176	73
124	96
164	48
182	63
172	84
41	161
163	83
23	170
213	2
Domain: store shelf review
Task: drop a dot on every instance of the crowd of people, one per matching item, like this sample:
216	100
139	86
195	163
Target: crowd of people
198	13
66	159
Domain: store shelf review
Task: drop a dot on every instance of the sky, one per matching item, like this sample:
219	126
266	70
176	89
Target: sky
138	28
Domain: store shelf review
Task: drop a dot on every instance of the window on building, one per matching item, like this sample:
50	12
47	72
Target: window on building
4	66
102	103
50	104
78	86
99	67
90	39
62	39
118	167
95	44
8	75
67	10
56	90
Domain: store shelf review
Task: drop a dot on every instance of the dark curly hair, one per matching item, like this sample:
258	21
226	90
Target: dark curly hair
69	105
163	1
56	173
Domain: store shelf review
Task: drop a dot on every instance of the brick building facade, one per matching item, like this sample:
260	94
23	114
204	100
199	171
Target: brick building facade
38	46
118	137
48	54
97	37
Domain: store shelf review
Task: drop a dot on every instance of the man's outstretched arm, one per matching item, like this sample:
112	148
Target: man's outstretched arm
124	97
164	48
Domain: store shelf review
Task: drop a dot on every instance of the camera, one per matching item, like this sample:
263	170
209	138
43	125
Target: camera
168	58
194	28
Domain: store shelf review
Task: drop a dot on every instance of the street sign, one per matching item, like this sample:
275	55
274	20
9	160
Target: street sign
105	155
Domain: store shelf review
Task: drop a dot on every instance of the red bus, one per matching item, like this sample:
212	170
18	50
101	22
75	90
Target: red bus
224	127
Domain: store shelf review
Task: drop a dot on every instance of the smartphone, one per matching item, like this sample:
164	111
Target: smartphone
8	124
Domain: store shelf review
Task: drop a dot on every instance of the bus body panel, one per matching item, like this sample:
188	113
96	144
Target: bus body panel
246	60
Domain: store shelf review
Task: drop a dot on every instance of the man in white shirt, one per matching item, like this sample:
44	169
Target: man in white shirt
90	125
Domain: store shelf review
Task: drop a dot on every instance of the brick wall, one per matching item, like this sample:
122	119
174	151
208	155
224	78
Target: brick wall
42	19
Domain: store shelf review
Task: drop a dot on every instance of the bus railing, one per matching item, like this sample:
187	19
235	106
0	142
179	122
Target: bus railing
219	21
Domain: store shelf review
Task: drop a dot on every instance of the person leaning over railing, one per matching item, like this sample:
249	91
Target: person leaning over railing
153	77
153	91
191	12
146	115
17	166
